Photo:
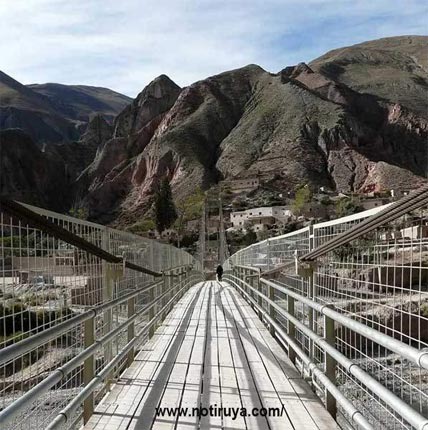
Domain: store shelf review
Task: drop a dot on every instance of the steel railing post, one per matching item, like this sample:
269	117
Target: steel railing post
174	286
184	279
169	288
259	297
291	329
163	291
250	281
177	286
107	295
159	290
88	368
152	311
271	294
311	314
131	330
311	291
244	278
330	364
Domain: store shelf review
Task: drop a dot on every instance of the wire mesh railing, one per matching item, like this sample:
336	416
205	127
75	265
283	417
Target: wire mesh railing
377	280
67	315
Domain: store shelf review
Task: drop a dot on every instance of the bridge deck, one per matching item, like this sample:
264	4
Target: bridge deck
211	350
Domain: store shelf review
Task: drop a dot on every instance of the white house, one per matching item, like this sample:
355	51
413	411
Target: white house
260	216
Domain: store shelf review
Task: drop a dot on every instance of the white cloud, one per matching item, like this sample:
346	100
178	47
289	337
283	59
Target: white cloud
123	45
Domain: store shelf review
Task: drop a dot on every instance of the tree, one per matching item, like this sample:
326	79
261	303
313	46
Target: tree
303	196
165	212
346	207
188	209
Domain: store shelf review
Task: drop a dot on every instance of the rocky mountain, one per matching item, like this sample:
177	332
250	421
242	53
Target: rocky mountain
53	113
81	102
47	176
354	119
393	69
21	107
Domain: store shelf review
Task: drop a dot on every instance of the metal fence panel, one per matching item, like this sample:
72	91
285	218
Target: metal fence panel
379	279
45	281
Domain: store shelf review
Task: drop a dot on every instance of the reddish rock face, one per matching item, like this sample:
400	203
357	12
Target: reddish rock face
304	122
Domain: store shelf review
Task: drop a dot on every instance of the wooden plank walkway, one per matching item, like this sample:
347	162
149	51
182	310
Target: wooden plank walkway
211	350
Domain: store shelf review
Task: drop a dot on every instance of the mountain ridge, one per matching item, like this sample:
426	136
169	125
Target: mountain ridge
55	113
352	120
82	102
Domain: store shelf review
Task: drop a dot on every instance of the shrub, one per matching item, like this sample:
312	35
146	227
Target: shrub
79	212
143	226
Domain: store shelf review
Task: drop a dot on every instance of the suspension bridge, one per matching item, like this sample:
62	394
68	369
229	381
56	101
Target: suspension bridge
324	327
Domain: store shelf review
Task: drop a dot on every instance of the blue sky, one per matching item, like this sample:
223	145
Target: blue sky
124	44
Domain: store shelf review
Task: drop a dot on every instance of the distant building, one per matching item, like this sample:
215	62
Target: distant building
59	263
398	193
373	203
314	209
414	232
262	224
258	217
244	184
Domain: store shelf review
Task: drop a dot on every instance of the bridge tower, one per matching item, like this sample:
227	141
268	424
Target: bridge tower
202	237
212	247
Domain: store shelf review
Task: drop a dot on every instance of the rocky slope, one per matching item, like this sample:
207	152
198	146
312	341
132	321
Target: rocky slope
30	175
393	69
335	122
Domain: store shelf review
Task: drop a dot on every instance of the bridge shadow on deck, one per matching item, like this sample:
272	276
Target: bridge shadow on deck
148	412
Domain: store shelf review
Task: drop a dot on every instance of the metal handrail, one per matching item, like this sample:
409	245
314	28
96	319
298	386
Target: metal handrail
420	358
406	411
38	339
67	412
353	272
11	411
24	213
407	204
28	233
414	355
356	415
374	218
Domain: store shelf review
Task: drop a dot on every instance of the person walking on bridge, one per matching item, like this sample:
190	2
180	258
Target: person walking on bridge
219	272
